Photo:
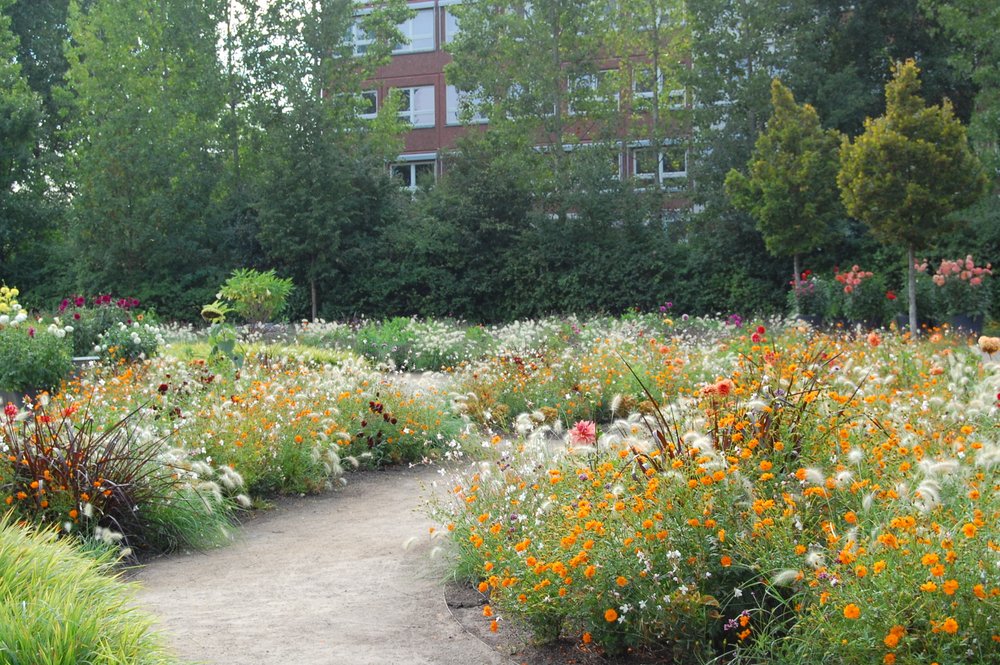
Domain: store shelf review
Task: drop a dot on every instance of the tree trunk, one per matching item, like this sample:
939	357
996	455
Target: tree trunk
312	292
797	268
911	283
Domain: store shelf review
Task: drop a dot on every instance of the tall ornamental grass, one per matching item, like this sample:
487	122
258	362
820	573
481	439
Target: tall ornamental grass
59	606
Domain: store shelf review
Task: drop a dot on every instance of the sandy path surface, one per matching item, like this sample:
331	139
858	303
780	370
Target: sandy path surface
318	580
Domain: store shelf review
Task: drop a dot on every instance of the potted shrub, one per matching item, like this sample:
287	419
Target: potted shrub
961	296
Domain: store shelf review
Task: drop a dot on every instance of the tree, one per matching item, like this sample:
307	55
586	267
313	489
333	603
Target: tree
791	190
909	169
534	70
650	39
737	48
20	113
317	154
975	52
145	159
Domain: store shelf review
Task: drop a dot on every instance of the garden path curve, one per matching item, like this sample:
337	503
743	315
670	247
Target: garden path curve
318	580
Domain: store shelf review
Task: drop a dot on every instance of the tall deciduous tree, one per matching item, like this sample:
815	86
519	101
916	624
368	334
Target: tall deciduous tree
909	169
650	41
973	27
532	66
737	47
145	157
791	189
20	112
317	154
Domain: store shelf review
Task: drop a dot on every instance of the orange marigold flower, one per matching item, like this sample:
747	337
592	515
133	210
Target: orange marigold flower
611	616
969	530
621	581
950	587
950	626
889	659
852	611
587	638
726	561
487	611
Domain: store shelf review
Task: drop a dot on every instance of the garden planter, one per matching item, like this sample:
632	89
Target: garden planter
970	325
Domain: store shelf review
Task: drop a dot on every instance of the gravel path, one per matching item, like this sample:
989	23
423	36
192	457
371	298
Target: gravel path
318	580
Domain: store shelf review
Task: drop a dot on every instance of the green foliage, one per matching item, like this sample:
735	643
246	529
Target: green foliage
910	168
256	296
791	188
42	577
33	359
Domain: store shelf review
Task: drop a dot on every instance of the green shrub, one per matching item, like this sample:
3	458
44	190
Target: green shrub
256	296
61	607
32	359
129	343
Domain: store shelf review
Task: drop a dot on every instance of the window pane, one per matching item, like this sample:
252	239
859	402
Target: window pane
422	35
674	160
645	163
423	173
423	106
404	100
450	26
369	103
404	173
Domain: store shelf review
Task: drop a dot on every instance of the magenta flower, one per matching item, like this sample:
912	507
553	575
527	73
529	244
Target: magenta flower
583	433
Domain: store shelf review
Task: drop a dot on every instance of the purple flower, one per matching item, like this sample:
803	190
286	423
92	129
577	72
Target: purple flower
31	332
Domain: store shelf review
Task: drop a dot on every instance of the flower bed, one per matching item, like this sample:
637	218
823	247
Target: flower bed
796	498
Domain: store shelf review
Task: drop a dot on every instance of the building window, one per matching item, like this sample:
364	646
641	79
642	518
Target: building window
450	25
360	37
416	105
459	104
672	162
589	90
419	30
369	104
643	82
414	175
677	99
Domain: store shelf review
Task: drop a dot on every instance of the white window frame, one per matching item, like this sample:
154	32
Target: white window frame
360	38
373	114
454	99
412	162
678	99
593	83
417	42
646	94
412	114
639	147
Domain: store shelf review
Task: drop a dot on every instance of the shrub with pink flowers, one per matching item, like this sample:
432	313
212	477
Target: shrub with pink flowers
859	295
960	287
90	319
